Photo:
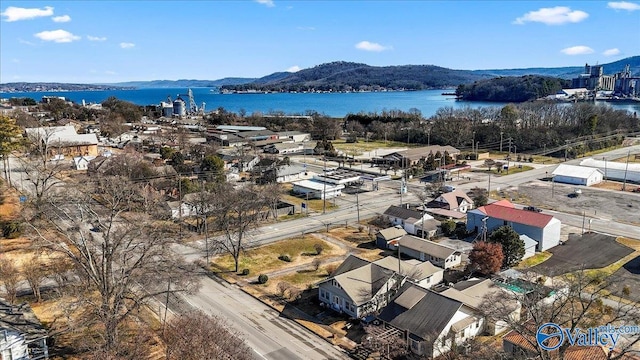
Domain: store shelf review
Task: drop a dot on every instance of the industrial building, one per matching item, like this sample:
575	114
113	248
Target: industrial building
614	170
316	189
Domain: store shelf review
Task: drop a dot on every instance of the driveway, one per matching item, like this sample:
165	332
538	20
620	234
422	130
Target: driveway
589	251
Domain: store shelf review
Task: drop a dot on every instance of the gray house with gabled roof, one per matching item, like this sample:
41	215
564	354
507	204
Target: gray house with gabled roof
21	334
425	250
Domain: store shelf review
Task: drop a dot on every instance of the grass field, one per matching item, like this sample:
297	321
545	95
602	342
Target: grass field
265	258
512	170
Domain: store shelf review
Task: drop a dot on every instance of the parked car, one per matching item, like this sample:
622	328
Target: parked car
532	208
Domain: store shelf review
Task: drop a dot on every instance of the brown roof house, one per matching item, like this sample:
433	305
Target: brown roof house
453	204
388	238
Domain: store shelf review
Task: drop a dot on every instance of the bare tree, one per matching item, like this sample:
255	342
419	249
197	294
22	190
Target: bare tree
197	336
237	214
122	257
573	301
34	272
389	342
41	165
9	278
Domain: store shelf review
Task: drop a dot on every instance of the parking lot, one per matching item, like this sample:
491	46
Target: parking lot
628	275
604	204
590	251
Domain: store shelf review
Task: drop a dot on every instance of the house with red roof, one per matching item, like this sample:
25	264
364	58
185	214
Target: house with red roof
543	228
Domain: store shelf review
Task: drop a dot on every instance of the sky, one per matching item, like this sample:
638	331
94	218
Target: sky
115	41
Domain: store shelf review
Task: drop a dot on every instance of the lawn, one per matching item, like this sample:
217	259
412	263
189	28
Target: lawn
534	260
512	170
265	258
314	205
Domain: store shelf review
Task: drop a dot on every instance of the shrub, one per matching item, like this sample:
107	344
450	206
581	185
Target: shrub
461	232
331	268
316	264
360	228
448	227
282	288
285	257
245	272
262	279
11	229
318	248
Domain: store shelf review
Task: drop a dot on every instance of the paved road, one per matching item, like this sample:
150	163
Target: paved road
270	335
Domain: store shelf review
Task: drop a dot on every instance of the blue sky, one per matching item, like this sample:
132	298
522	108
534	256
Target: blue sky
113	41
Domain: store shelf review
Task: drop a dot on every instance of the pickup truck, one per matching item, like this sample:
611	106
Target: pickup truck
532	208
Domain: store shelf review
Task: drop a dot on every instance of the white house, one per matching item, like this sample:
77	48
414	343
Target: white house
82	162
433	323
421	273
455	200
543	228
21	334
530	246
358	287
413	222
295	136
425	250
577	175
317	189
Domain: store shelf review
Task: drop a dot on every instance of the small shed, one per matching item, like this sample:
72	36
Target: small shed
577	175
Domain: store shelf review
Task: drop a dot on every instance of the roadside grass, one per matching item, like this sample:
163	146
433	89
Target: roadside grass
534	260
314	204
512	170
304	278
264	259
511	195
600	151
632	159
351	235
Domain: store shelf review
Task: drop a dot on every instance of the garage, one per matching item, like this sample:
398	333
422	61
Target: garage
577	175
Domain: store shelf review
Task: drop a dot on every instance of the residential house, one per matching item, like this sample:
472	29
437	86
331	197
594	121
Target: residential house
289	173
421	273
358	287
178	209
475	292
82	162
241	163
413	222
63	140
455	200
388	238
425	250
577	175
543	228
21	334
431	323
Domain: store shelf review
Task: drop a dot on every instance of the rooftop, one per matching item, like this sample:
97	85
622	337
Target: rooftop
575	171
426	246
506	211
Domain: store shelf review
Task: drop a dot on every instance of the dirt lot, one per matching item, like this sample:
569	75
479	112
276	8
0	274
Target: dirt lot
591	251
623	207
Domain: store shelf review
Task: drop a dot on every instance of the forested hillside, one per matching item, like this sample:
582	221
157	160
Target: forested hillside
511	89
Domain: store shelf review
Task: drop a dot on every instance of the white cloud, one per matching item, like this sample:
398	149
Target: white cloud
96	38
268	3
58	36
306	28
552	16
294	68
623	5
126	45
577	50
13	13
371	46
611	52
26	42
61	19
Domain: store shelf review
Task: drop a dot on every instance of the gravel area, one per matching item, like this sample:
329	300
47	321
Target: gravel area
605	204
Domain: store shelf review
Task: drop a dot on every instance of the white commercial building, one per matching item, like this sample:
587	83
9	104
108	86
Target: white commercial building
614	170
317	189
577	175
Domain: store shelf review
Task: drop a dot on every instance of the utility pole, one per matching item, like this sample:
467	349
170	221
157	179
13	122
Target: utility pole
624	184
489	188
324	182
358	202
566	148
477	145
583	218
501	140
509	156
605	169
429	137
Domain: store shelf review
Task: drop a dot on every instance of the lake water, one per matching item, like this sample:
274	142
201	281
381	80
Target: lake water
332	104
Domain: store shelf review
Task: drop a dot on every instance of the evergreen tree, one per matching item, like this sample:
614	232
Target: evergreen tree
512	245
